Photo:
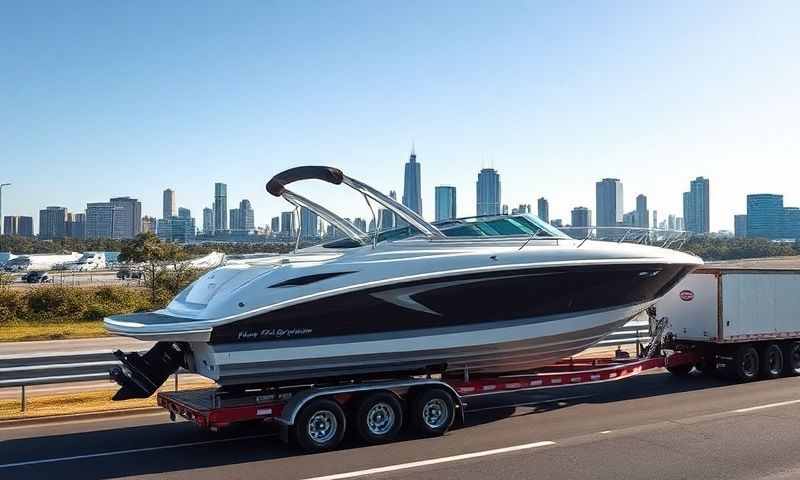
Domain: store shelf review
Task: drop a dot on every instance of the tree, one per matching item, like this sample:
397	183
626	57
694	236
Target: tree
5	279
163	264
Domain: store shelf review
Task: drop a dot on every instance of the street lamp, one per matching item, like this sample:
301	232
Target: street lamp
1	213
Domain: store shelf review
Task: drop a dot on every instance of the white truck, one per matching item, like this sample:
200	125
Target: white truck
741	317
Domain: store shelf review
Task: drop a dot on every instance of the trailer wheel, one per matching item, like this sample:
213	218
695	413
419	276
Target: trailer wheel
432	412
771	361
745	367
320	425
791	358
379	417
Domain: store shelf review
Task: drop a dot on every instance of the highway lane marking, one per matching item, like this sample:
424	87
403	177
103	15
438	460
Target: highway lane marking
132	450
433	461
768	405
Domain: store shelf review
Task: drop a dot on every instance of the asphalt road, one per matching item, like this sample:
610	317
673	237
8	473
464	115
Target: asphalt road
652	426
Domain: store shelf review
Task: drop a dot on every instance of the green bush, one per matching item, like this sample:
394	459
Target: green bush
56	303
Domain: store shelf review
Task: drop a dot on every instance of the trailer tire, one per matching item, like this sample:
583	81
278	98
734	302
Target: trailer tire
320	425
432	412
771	361
791	358
745	366
378	418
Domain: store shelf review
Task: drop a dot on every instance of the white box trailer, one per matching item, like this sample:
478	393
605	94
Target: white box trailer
742	317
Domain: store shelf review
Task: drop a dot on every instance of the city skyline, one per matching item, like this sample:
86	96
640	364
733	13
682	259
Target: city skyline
563	97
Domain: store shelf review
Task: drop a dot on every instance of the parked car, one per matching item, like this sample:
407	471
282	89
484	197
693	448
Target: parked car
126	272
36	277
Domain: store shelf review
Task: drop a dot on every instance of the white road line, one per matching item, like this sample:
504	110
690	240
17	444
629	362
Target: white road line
769	405
432	461
132	450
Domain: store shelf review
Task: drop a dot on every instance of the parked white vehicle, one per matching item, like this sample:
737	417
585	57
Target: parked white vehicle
40	262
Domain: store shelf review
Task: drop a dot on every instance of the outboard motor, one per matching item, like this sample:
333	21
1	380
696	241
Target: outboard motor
141	375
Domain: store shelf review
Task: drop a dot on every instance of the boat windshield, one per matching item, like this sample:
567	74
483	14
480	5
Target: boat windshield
484	226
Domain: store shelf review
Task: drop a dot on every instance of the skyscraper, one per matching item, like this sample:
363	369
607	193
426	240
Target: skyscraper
234	221
52	223
275	225
672	224
208	221
76	225
791	223
246	216
19	226
184	213
127	217
412	193
220	207
543	209
696	206
360	223
642	213
98	220
764	216
169	204
309	224
608	201
287	224
581	217
488	195
445	202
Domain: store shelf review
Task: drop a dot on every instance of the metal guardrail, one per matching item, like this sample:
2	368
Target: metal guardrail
24	371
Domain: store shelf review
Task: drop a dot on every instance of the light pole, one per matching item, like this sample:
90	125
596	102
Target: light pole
1	213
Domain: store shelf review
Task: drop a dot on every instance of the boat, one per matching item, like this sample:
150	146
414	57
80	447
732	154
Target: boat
473	296
88	262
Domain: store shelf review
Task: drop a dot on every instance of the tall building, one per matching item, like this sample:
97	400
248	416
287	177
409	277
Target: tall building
608	202
740	226
233	220
543	209
655	220
19	226
309	224
556	222
52	223
127	217
488	195
680	225
764	216
169	204
275	225
412	193
184	213
208	221
287	224
791	223
99	218
386	218
360	224
581	217
523	208
671	224
149	224
220	207
696	206
177	229
642	213
445	202
76	225
247	216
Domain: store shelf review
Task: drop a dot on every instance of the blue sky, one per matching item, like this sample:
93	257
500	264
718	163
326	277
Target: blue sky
100	99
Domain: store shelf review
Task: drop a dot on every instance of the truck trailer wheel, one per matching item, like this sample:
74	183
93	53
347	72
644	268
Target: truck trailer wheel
771	361
745	364
791	358
320	425
379	417
432	412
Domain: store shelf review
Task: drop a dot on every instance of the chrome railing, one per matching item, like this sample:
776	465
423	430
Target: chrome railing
674	239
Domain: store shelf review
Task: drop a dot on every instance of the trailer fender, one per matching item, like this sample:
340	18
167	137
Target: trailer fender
300	399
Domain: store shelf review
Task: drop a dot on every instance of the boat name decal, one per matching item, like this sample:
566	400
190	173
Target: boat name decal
274	333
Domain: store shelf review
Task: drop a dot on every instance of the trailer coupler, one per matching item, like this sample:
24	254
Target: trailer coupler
141	375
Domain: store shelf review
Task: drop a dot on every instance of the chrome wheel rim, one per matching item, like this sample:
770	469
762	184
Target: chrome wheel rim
435	413
380	419
322	426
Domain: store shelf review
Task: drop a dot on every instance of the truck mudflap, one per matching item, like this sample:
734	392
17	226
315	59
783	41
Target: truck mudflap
141	375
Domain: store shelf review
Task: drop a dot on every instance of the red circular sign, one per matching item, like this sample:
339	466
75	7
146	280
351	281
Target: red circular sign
687	295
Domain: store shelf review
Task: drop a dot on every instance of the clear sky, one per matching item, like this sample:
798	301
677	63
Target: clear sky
108	98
